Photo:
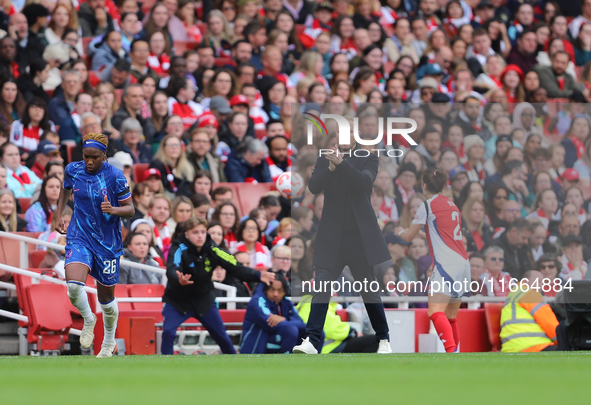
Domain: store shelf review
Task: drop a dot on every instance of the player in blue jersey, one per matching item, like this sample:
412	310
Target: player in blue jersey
101	198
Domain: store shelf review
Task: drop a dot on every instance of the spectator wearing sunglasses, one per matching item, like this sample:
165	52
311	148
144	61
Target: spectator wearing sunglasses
495	281
549	265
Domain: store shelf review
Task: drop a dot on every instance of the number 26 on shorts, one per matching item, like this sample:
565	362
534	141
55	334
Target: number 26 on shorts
110	266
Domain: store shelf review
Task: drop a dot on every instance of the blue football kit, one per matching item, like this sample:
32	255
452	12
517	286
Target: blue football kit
94	238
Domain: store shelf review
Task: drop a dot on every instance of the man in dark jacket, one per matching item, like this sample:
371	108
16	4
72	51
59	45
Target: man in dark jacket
132	99
27	46
8	67
247	163
348	235
189	292
554	78
62	106
94	19
514	242
524	55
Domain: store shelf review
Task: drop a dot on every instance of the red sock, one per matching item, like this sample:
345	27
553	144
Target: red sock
444	331
456	331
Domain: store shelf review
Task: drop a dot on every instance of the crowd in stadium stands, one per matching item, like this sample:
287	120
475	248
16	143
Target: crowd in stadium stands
201	93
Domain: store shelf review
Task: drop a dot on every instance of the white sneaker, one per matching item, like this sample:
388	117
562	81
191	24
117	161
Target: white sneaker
87	335
306	347
384	347
107	351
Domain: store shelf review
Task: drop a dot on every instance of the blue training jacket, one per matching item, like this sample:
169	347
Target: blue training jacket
255	330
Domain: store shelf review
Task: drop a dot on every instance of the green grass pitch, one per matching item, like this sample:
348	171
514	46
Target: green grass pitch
365	379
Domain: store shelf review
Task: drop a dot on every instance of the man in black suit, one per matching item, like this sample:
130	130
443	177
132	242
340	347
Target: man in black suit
348	235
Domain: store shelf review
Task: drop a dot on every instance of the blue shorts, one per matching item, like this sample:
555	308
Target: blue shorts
103	270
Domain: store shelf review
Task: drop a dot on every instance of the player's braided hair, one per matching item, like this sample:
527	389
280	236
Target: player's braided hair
96	136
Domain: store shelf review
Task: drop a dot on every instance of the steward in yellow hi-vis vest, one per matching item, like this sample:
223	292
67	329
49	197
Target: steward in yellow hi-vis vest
527	323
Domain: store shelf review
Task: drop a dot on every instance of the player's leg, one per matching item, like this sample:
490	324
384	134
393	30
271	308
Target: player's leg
106	297
77	268
172	320
212	321
451	312
106	274
436	310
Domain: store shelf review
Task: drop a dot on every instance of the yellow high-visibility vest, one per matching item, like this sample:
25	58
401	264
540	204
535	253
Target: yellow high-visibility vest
519	329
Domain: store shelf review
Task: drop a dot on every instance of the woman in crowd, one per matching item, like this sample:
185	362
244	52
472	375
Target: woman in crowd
12	105
175	170
186	13
106	92
19	179
141	196
546	207
25	133
182	209
9	220
575	139
159	60
31	84
219	35
144	227
474	226
161	222
137	250
311	66
342	37
538	242
511	79
39	216
497	196
300	264
101	109
158	20
131	136
363	84
248	236
226	214
223	83
63	18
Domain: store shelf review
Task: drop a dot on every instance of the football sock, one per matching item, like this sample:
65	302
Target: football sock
444	331
456	331
79	299
110	315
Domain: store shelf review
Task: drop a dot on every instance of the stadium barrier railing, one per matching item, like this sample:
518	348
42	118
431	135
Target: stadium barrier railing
24	264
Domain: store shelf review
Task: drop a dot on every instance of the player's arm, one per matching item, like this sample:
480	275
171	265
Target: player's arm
126	210
243	273
61	206
409	234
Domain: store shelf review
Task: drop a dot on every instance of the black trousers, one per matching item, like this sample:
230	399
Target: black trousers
350	254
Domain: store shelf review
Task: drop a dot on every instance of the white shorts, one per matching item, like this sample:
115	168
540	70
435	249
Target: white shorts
452	280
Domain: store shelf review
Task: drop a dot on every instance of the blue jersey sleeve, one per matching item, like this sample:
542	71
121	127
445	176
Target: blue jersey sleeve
123	190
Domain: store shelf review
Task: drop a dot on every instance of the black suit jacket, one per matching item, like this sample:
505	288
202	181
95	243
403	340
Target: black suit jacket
350	183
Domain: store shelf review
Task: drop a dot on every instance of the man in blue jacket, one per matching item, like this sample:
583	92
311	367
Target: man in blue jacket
62	106
271	323
247	164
